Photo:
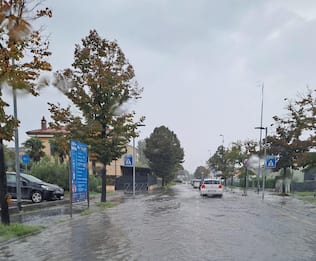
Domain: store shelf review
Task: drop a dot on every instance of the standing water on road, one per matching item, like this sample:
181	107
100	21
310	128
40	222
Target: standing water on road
177	224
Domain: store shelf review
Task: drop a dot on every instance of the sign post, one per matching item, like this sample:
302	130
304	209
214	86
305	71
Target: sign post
270	163
78	180
25	160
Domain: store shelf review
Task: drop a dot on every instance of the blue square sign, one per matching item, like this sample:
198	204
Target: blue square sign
128	160
271	162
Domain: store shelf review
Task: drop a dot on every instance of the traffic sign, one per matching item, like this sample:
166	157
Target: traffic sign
79	171
128	160
271	162
25	158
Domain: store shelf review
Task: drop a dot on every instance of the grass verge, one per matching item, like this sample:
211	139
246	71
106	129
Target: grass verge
105	205
307	196
16	230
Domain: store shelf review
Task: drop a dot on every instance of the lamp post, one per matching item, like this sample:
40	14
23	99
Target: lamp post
260	128
17	153
265	158
223	156
222	139
134	160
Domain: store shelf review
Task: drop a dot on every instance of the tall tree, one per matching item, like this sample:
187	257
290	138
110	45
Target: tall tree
9	156
201	172
22	58
59	147
225	160
217	161
164	153
34	147
99	84
293	137
142	160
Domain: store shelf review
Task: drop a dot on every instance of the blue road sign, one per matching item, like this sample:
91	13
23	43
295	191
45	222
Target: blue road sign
128	160
79	171
25	158
271	162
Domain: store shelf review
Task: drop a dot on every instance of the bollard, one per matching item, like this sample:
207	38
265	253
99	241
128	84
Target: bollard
8	199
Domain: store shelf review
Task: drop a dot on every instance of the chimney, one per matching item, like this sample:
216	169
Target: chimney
43	124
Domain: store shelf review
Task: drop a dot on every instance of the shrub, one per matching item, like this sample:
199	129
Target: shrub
95	183
51	172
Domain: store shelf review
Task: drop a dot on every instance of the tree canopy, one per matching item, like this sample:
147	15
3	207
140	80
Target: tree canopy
22	58
99	85
201	172
164	153
34	147
226	160
295	134
23	54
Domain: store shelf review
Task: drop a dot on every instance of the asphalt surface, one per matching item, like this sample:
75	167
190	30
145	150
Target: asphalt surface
177	224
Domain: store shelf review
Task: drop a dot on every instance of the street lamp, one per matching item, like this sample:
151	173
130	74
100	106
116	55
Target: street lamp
265	157
222	139
223	156
134	160
260	128
17	153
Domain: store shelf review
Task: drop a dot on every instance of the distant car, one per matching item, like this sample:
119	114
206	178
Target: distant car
211	187
196	183
33	188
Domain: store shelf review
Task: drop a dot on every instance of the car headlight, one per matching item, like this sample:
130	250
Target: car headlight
45	187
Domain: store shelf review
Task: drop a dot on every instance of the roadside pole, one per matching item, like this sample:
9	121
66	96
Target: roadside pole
246	178
265	162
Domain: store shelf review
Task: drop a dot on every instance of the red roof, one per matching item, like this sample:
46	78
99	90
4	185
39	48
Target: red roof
44	130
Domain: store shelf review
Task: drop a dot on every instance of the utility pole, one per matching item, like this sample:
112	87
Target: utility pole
17	153
260	139
265	162
134	161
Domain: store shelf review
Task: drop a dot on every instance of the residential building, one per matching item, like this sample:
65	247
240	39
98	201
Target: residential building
45	134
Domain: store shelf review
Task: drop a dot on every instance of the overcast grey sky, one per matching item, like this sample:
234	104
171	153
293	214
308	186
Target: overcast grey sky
201	63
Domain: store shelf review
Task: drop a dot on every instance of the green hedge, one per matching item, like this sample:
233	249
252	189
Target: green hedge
51	172
269	183
58	173
95	183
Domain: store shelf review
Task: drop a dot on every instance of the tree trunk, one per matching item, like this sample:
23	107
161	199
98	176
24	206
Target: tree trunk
5	217
283	183
103	190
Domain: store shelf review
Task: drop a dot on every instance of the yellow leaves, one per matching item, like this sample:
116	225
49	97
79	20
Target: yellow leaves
19	29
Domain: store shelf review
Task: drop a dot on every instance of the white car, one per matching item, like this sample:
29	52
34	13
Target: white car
211	187
196	183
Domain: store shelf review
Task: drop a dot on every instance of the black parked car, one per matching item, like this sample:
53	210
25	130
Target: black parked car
33	188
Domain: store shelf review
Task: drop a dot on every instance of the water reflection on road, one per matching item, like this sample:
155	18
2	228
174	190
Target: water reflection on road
175	225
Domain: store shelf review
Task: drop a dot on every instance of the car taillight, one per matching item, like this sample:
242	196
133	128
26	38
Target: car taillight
220	186
203	186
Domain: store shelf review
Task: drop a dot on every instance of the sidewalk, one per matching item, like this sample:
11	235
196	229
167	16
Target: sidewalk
290	202
28	206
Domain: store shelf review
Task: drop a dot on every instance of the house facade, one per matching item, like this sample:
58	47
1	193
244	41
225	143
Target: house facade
45	134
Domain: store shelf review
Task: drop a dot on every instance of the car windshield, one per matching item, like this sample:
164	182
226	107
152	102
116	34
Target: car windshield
31	178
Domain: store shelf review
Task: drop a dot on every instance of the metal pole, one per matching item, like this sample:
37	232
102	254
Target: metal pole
222	139
134	161
17	153
265	162
133	166
261	117
246	185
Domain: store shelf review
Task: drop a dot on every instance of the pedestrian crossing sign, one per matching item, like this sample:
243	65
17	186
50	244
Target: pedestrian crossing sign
271	162
128	160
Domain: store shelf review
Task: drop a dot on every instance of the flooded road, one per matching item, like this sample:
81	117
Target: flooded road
178	225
